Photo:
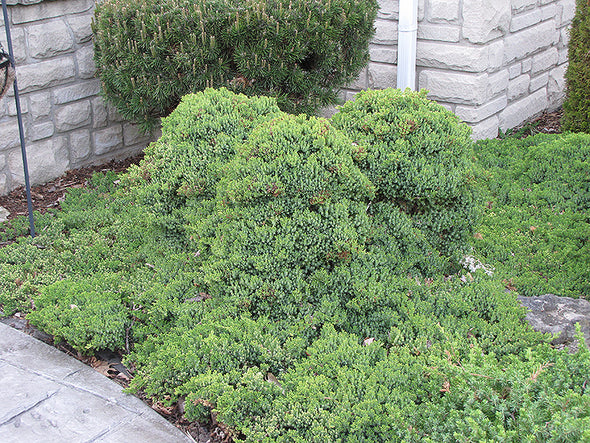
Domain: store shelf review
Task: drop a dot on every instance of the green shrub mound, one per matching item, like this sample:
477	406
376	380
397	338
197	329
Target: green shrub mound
535	227
576	115
151	53
254	267
418	157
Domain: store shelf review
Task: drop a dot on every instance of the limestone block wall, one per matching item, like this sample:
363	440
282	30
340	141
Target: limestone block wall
66	122
495	63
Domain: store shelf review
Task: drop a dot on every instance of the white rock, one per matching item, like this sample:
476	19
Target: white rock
49	39
485	20
43	74
556	85
545	60
538	82
470	58
442	10
77	91
72	116
525	20
382	75
528	41
518	87
4	213
465	88
519	111
486	129
475	114
108	139
46	159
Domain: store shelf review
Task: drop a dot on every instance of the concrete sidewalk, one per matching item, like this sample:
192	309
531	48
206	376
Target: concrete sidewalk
48	396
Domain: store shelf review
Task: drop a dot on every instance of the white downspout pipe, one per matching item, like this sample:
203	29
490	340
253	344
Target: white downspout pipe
406	44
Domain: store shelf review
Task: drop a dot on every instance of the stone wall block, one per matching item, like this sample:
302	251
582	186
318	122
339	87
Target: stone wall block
551	11
568	11
11	106
383	54
381	76
44	74
527	65
81	27
72	116
113	114
442	10
539	81
486	129
46	159
19	43
441	33
522	5
460	88
10	135
525	20
40	103
49	39
485	20
529	41
545	60
475	114
80	148
3	107
40	131
556	85
519	111
3	184
518	87
385	32
388	9
108	139
563	56
470	58
514	70
50	9
85	61
77	91
99	113
498	83
132	135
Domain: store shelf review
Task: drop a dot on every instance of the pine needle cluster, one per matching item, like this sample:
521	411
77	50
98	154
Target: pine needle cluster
150	53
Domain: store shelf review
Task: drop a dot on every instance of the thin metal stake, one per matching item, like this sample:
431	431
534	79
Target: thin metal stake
20	123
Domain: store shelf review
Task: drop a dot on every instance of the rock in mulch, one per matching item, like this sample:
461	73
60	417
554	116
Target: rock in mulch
558	315
3	214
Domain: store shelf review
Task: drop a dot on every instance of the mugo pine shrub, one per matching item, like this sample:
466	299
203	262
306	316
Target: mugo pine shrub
576	107
283	300
150	53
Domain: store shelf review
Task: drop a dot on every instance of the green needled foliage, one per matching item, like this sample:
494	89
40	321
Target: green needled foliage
576	108
281	272
418	157
535	227
149	53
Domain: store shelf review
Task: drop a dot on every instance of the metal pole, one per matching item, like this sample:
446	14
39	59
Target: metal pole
20	123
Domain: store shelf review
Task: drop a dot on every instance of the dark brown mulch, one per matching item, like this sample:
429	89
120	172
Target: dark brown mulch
49	195
547	123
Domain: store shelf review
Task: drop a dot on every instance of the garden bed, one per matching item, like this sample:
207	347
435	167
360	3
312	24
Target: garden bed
296	277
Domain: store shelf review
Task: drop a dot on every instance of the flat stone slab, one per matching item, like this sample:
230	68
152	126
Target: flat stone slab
48	396
558	315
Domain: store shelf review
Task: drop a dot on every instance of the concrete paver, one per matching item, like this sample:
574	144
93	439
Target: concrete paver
47	396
